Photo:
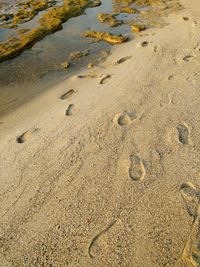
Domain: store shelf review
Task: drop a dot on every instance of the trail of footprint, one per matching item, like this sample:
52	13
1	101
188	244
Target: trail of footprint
68	94
122	60
125	118
25	136
137	170
95	239
105	79
70	110
184	134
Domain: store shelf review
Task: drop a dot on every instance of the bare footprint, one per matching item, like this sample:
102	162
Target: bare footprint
68	94
184	133
105	79
95	240
195	24
191	252
122	60
137	169
70	110
25	136
125	118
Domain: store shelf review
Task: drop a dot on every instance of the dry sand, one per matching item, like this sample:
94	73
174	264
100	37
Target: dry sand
100	177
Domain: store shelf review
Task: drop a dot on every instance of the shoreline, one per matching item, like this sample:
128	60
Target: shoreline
98	183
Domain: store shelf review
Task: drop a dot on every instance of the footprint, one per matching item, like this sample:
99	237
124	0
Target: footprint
105	79
186	18
68	94
82	76
125	118
197	47
144	44
184	133
137	169
195	24
70	110
194	79
191	252
25	136
166	100
122	60
170	77
96	239
188	58
191	197
90	75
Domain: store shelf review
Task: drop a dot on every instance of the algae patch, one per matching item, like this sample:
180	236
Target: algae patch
78	54
109	19
137	27
49	22
105	36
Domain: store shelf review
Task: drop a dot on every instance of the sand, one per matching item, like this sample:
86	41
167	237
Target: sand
109	175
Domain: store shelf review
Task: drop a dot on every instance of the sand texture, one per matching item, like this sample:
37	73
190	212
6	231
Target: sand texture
104	169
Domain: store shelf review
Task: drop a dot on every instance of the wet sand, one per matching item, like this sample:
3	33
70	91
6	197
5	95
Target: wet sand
103	169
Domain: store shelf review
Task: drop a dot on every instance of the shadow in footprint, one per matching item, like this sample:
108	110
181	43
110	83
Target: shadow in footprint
137	170
105	79
144	44
186	18
125	118
68	94
188	58
70	110
183	134
122	60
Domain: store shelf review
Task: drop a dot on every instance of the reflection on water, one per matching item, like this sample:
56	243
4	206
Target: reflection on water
20	77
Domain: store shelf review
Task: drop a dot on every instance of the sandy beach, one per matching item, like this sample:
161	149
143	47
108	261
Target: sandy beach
104	168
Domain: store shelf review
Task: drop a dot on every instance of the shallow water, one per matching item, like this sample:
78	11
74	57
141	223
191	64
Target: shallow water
37	68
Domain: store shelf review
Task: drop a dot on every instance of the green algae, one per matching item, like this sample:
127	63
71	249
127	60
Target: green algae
26	11
105	36
110	19
78	54
137	27
50	22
